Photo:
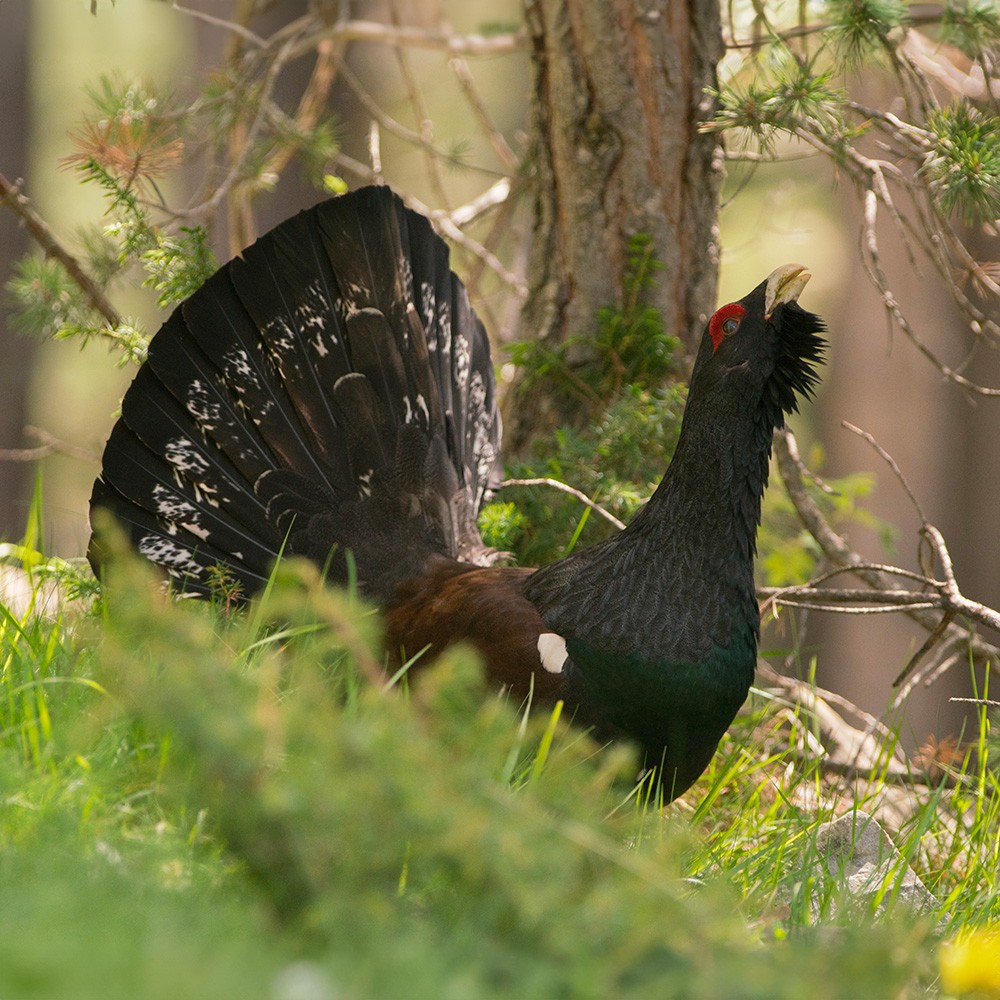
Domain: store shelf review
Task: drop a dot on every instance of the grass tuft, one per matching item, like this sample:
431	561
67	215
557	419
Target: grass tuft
243	801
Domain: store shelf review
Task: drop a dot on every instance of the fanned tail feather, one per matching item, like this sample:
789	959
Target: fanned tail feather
329	390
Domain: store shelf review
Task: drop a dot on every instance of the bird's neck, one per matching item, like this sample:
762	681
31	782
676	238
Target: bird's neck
677	583
680	577
713	487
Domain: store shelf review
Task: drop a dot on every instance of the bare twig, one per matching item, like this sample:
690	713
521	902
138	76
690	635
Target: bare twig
313	100
496	138
386	121
892	307
957	602
929	643
941	597
443	223
837	603
11	196
793	470
860	601
952	599
847	749
582	497
375	151
494	196
50	445
220	22
420	111
923	226
415	38
891	462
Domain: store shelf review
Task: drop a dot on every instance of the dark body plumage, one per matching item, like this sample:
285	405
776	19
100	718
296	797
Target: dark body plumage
331	391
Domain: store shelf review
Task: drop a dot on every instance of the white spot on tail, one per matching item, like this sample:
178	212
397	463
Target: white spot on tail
552	650
176	559
422	406
462	359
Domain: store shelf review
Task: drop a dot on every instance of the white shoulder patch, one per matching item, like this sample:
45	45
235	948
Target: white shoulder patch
552	651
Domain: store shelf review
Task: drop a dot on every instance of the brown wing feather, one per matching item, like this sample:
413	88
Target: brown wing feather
483	606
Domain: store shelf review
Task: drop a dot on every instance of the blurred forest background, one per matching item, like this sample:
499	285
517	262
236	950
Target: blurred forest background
797	209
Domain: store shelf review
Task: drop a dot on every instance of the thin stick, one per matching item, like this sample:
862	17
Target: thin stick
837	550
496	138
313	100
390	124
51	445
891	462
494	196
420	110
417	38
582	497
219	22
928	645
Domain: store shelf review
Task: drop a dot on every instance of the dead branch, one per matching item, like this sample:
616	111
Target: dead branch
901	171
420	140
929	643
496	138
572	491
845	748
50	445
420	110
220	22
939	607
493	197
891	462
313	100
416	38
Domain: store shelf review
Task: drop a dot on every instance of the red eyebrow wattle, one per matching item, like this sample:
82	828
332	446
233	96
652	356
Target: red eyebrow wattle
720	317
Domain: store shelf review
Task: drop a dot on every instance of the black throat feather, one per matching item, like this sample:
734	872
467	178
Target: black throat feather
801	349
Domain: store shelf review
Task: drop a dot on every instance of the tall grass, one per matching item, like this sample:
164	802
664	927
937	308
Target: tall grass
198	803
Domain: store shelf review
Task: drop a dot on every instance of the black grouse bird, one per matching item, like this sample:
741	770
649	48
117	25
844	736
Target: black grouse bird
331	391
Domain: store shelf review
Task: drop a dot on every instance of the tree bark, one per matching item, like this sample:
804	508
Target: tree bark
619	91
18	351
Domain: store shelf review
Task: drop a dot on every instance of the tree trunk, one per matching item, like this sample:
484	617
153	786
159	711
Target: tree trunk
18	352
619	92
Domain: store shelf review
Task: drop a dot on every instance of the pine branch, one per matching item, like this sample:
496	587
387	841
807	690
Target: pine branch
12	197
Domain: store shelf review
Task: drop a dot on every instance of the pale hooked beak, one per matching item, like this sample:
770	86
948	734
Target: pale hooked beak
784	285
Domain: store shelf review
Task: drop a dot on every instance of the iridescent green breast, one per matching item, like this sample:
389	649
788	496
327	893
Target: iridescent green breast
677	710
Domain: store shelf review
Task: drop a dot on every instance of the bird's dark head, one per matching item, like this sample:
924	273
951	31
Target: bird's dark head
763	349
